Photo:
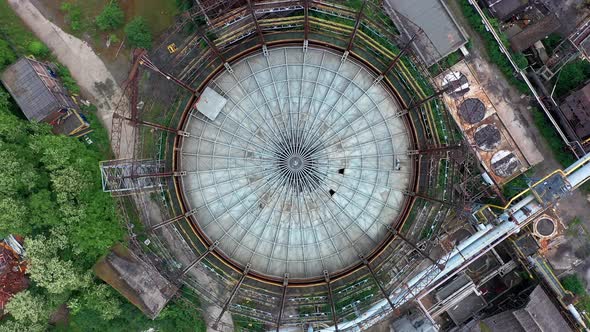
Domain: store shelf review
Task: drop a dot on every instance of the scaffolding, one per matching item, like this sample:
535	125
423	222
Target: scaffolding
163	88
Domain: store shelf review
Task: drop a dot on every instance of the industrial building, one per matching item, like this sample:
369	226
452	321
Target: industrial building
40	95
296	167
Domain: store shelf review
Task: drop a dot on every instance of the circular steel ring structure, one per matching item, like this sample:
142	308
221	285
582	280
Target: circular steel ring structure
323	183
297	173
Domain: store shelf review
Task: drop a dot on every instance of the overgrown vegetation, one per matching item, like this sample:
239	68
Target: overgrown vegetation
563	156
138	33
111	17
496	56
51	194
66	78
572	76
73	14
577	286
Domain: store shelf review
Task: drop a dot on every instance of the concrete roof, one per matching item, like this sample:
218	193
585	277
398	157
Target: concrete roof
138	281
504	9
442	34
576	108
535	32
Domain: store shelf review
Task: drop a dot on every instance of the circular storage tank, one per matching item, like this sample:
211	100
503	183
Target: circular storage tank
545	227
487	137
504	163
472	110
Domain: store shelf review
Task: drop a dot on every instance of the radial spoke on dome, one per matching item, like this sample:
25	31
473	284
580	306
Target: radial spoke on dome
324	97
333	106
277	134
273	138
232	134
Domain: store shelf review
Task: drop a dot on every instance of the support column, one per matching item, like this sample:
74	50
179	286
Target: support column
198	260
170	221
156	125
232	295
283	299
258	30
422	253
331	299
146	62
359	15
399	55
429	98
383	292
305	24
428	198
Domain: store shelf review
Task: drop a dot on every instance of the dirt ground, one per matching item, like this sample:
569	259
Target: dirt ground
577	204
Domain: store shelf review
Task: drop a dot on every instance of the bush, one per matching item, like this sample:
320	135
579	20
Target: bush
138	33
39	49
66	78
573	75
111	17
574	284
7	56
73	15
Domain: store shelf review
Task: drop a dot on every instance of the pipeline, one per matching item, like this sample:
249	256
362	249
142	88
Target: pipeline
487	237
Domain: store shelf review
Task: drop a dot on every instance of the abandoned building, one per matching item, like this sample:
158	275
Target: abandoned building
576	108
41	96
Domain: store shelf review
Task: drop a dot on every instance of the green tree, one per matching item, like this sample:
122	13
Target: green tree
100	298
39	49
572	75
574	284
138	33
111	17
7	56
29	310
47	269
13	217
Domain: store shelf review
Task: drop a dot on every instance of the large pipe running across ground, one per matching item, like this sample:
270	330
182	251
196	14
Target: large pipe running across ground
476	245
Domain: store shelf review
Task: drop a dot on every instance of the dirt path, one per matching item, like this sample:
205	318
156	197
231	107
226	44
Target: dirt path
86	67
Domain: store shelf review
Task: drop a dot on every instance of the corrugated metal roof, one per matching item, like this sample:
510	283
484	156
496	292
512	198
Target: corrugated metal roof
33	96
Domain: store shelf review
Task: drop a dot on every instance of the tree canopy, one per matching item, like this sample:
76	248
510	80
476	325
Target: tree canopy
112	17
138	33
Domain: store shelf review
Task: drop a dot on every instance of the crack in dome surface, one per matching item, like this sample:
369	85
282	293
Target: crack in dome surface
304	168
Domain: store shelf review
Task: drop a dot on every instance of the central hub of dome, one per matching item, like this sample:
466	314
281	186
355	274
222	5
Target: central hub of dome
304	168
295	163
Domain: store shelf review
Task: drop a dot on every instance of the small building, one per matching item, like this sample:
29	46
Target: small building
535	32
505	9
137	280
37	90
540	314
442	34
576	109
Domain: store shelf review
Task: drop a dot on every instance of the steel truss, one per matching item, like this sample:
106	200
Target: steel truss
243	26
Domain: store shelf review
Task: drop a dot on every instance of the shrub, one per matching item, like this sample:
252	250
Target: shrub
66	78
73	15
138	33
574	284
39	49
573	75
111	17
7	56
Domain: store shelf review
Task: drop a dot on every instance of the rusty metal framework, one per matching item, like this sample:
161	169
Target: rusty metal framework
164	86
